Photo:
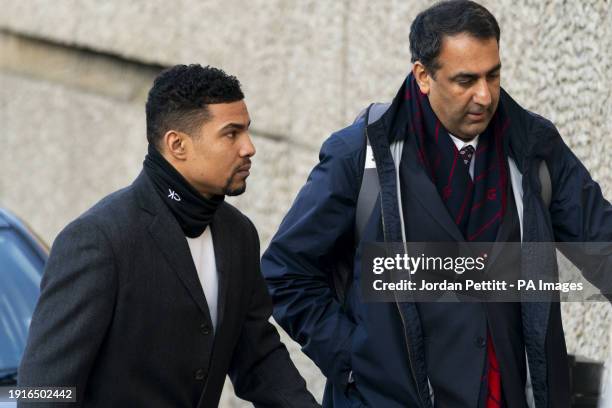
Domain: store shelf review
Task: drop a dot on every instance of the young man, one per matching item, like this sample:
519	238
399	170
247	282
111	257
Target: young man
154	295
468	173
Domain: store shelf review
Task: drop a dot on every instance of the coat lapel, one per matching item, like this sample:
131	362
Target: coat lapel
225	251
420	186
171	241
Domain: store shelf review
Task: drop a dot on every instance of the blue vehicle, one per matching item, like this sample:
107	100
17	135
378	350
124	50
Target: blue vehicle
22	259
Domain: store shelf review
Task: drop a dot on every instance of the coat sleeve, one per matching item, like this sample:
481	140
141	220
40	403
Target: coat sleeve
581	218
293	265
261	370
73	311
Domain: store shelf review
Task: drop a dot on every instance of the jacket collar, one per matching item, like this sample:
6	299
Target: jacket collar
169	237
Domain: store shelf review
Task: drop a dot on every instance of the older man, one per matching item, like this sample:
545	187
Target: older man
469	172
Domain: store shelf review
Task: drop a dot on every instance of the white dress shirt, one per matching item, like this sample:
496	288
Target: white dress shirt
203	254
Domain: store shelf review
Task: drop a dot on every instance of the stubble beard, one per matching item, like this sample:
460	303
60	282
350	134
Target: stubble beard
228	191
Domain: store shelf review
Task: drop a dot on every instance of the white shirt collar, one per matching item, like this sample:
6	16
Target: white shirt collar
461	144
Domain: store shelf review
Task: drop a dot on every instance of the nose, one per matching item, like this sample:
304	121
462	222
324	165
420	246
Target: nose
482	93
247	149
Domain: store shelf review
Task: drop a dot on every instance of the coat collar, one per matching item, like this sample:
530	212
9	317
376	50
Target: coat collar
169	237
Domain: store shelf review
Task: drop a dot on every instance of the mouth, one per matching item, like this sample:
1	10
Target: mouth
476	116
244	170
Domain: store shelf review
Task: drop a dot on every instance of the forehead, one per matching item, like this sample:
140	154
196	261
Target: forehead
465	53
234	112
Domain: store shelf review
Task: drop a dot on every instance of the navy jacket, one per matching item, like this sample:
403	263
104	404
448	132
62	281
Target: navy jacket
382	343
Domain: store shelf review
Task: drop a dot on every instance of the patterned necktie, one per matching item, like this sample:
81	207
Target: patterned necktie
466	153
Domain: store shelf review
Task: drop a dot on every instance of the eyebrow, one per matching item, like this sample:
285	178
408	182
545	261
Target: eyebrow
471	75
237	126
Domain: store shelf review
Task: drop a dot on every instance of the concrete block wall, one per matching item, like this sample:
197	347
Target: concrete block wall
74	75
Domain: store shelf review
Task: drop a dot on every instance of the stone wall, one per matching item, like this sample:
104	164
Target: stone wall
74	75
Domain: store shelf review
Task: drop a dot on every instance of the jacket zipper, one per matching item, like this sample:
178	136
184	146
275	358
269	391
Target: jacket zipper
414	376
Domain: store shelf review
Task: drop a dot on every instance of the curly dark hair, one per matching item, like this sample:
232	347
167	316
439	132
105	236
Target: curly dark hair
179	97
448	18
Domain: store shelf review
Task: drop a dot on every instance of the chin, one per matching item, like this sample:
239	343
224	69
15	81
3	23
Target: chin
474	131
235	191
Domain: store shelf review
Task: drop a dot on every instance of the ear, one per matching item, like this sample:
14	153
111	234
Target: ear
175	144
422	77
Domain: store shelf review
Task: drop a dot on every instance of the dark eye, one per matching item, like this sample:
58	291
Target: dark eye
465	81
232	134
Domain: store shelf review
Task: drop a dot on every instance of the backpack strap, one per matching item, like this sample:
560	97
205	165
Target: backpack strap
373	112
342	273
370	187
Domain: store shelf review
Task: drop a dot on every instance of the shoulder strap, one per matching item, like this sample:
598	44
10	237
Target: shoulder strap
370	187
376	111
373	112
368	194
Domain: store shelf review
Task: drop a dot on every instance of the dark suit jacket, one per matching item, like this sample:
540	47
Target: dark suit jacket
122	315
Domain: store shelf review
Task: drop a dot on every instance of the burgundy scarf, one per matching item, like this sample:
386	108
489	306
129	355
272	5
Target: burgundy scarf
477	206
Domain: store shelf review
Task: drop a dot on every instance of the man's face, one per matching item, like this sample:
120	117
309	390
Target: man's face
218	159
465	91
